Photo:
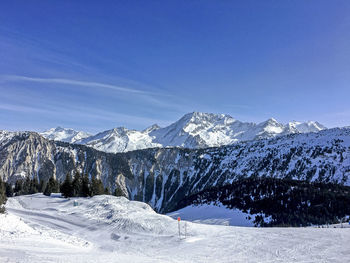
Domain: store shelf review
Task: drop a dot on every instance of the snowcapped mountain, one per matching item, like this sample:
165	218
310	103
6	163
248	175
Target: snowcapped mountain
304	127
120	140
193	130
64	135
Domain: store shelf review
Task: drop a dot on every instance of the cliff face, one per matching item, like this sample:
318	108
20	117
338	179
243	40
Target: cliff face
24	154
164	176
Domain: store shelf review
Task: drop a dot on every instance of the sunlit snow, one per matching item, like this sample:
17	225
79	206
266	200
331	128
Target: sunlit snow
111	229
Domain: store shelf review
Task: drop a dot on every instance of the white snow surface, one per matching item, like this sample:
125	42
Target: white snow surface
37	228
214	214
193	130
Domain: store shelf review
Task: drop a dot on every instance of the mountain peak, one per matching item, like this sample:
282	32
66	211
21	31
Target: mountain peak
196	117
309	126
119	129
151	128
193	130
63	134
273	120
59	128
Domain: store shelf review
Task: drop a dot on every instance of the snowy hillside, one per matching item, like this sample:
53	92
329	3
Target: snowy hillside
164	176
64	135
193	130
110	229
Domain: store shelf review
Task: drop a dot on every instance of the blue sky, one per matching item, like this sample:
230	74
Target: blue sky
95	65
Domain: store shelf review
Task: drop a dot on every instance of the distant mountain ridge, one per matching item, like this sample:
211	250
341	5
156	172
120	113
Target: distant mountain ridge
194	130
65	135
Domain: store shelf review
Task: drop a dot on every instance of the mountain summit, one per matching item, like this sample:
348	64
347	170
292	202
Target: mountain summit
193	130
64	134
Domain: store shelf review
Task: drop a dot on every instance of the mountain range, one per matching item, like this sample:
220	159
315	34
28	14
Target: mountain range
198	152
194	130
162	177
65	135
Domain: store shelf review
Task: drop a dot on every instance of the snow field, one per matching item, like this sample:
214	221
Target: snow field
37	228
214	215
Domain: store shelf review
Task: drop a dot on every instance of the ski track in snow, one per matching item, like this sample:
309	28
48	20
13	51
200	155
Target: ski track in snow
110	229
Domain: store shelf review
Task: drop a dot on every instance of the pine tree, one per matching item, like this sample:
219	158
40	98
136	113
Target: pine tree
42	186
51	187
34	186
48	189
9	190
96	187
67	189
118	192
85	188
106	191
55	185
26	186
77	184
18	187
2	196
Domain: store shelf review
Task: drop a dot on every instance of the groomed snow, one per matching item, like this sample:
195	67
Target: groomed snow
111	229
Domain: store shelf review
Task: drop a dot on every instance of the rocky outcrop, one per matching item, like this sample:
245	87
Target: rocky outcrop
24	154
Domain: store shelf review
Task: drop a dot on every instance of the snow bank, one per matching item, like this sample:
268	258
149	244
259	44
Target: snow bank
12	226
126	216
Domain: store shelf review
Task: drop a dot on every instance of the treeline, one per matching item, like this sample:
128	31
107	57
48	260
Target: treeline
280	202
82	186
27	186
31	186
78	186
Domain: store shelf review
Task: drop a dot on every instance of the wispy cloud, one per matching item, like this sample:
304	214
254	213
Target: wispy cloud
71	82
90	116
155	99
41	81
18	108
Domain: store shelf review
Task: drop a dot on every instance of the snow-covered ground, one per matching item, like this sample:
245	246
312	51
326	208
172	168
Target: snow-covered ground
110	229
214	215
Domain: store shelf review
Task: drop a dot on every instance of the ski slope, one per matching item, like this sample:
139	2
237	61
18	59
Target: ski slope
37	228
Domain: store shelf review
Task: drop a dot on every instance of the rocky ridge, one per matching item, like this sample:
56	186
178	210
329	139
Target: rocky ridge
194	130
